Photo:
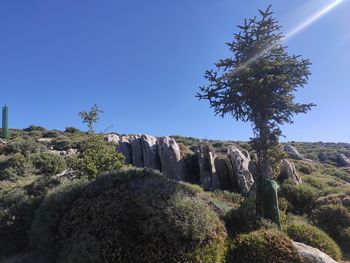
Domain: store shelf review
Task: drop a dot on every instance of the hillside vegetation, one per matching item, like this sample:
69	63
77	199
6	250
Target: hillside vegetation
68	196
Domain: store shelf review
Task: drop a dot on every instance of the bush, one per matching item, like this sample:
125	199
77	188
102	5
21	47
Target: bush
71	130
48	163
34	128
14	167
61	143
301	198
24	146
52	134
314	237
97	156
332	214
262	246
130	216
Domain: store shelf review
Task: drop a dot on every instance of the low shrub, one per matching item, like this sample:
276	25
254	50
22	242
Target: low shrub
34	128
14	167
24	146
61	143
96	157
52	133
301	198
48	163
71	130
262	246
314	237
129	216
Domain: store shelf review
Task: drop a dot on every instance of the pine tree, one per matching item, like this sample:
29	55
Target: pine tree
257	85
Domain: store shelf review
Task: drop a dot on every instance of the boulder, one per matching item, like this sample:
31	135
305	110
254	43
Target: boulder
136	150
288	172
224	171
112	138
343	160
170	158
207	170
240	168
150	152
293	152
124	147
312	255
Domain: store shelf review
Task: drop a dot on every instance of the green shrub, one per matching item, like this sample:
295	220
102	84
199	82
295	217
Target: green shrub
71	130
262	246
332	214
97	156
34	128
314	237
301	198
129	216
24	146
52	134
14	167
61	143
48	163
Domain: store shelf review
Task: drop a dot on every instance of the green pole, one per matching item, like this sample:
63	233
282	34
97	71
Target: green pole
5	124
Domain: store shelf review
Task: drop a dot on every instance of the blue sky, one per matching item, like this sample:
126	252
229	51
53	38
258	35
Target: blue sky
143	61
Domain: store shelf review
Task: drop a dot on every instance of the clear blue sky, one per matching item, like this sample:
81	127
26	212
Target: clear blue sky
143	61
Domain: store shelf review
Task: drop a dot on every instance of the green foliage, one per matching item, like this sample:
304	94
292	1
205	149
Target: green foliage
262	246
34	128
52	134
48	163
332	214
314	237
14	167
301	198
118	214
97	156
61	143
91	117
24	146
72	130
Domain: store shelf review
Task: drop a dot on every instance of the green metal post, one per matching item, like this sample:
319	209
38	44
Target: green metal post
5	124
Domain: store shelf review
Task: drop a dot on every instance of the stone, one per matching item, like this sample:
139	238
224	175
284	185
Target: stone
240	168
124	147
224	171
343	160
136	150
207	170
170	158
112	138
288	172
150	152
293	152
312	255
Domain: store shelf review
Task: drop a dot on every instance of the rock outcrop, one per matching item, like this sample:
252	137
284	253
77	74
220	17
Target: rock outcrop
170	158
311	255
150	152
293	152
207	171
240	168
288	172
112	138
343	160
124	147
136	150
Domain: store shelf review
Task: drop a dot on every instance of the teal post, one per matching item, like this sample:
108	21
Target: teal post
5	124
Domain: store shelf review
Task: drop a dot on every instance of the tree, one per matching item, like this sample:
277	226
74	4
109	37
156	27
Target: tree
257	85
91	117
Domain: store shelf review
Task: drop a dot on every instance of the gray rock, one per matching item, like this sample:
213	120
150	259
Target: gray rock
170	158
343	160
224	171
288	172
240	168
112	138
312	255
293	152
124	147
207	170
150	152
136	150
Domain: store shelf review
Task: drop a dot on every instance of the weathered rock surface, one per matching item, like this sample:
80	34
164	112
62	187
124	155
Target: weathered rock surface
207	170
112	138
225	173
136	150
124	147
343	160
150	152
170	158
293	152
240	168
312	255
288	172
